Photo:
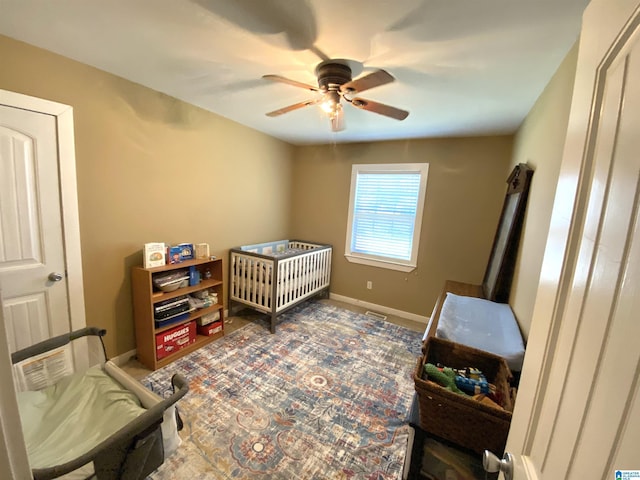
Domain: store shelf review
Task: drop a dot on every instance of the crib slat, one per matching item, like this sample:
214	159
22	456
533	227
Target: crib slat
314	269
234	279
268	280
241	278
245	279
319	276
259	283
296	278
253	281
292	279
293	273
305	276
279	285
286	283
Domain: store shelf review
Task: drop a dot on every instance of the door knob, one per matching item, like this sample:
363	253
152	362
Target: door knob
492	464
55	277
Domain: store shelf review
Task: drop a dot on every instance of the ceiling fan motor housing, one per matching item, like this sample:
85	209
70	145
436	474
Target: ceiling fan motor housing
332	75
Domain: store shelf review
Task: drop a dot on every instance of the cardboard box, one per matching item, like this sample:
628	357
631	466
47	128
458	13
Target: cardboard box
209	318
153	255
210	329
186	251
174	254
202	250
171	341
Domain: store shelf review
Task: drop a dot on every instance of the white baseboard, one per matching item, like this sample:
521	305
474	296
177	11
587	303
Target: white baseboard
380	308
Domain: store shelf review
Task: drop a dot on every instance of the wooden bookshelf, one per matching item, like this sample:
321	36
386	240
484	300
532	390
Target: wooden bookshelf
146	296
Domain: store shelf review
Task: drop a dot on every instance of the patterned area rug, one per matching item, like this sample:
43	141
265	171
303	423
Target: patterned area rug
326	397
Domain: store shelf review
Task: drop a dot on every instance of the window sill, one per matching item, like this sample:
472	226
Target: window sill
388	264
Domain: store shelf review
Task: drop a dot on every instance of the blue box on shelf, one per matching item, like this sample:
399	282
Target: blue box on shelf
174	254
194	276
186	251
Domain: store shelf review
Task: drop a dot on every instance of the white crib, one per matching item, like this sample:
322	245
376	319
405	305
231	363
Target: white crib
275	276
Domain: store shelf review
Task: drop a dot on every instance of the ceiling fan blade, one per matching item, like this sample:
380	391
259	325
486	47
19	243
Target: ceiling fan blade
278	78
375	79
290	108
380	108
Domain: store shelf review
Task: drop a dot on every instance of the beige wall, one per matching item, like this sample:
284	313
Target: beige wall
539	142
152	168
465	191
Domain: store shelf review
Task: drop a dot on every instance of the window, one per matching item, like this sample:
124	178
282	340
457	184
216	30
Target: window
385	214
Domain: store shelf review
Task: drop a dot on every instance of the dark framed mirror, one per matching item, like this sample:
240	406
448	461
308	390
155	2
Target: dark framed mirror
498	276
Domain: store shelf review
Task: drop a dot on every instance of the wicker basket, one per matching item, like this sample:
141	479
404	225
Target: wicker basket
463	420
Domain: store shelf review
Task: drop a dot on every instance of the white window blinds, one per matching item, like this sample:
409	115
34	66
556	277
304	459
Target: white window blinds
385	214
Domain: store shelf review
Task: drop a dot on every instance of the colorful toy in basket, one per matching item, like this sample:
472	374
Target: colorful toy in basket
444	377
472	381
468	381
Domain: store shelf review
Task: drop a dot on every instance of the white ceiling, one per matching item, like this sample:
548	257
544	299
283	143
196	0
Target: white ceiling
462	67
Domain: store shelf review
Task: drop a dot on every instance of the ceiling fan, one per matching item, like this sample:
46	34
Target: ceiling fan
335	83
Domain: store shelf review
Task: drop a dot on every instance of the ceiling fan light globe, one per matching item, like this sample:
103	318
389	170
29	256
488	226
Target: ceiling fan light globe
336	119
331	102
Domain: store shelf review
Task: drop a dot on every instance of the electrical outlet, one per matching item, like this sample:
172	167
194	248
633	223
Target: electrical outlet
369	284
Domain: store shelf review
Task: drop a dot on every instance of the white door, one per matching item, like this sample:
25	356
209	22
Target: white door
14	461
577	413
32	263
13	455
